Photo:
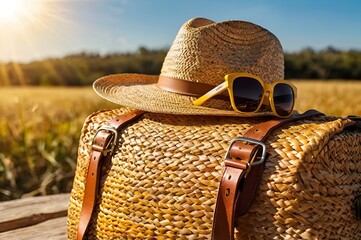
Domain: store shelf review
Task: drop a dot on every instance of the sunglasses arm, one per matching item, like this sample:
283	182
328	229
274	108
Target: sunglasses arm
217	90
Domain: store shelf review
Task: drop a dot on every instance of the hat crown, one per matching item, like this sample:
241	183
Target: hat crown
204	51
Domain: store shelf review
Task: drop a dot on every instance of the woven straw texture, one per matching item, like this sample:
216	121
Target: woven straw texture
162	182
203	51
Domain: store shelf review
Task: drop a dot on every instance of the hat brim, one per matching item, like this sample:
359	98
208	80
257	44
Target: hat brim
139	91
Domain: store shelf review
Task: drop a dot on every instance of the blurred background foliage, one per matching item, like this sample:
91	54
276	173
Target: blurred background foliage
83	68
329	63
80	69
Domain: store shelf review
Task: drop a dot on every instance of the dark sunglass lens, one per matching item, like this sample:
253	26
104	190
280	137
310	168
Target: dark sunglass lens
247	94
283	98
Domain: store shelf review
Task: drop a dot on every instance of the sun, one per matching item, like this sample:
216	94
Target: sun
17	13
25	23
11	10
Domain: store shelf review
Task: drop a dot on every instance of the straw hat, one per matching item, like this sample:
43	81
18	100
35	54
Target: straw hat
202	53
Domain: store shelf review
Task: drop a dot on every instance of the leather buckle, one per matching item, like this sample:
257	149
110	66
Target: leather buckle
110	142
247	165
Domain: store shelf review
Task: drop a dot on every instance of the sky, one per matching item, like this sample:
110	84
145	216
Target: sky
38	29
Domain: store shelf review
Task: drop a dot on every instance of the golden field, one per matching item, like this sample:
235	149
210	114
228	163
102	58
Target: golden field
40	128
39	134
337	98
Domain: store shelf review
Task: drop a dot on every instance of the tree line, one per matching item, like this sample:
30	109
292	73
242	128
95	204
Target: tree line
328	63
83	68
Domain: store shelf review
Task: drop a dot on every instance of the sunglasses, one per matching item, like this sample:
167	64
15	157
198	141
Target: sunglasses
248	92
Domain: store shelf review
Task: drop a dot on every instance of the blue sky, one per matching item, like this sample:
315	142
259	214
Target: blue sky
62	27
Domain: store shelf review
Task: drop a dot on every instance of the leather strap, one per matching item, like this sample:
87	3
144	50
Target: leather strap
238	185
103	144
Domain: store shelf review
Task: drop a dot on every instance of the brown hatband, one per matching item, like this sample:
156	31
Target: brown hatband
183	87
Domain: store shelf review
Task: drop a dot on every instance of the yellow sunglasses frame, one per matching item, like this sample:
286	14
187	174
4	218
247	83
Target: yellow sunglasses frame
267	88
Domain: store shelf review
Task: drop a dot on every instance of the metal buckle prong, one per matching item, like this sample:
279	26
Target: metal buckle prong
253	141
110	145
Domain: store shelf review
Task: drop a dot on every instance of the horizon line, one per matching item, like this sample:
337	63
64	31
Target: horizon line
120	52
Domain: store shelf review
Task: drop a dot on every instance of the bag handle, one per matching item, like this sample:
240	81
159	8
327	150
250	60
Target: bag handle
102	147
244	152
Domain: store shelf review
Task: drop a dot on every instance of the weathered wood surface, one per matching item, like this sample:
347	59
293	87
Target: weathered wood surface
34	218
54	229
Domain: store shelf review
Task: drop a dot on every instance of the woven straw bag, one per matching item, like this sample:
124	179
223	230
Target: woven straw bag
162	180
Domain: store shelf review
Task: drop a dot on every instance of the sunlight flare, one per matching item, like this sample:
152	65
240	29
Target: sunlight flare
12	11
24	23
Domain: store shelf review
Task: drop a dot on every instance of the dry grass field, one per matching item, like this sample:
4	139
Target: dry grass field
40	127
39	134
337	98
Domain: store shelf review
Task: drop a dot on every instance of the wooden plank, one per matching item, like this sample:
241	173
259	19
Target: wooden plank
54	229
29	211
